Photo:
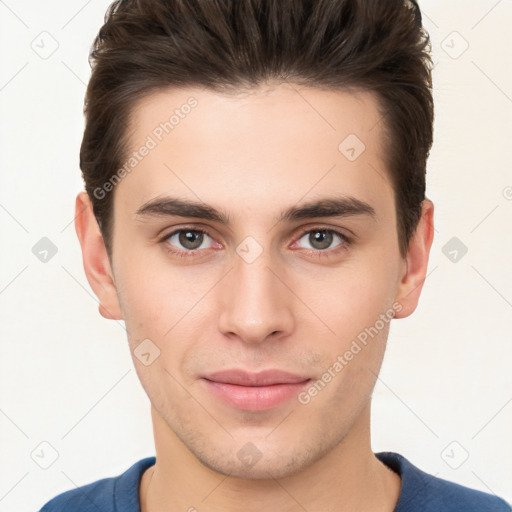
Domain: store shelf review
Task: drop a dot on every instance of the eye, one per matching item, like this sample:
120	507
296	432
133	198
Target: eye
189	240
322	239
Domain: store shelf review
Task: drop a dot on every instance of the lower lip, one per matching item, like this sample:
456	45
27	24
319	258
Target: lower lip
254	398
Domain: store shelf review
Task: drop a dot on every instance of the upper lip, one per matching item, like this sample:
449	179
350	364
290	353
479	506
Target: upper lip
263	378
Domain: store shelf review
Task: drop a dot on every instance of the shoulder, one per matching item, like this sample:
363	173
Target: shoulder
422	491
120	493
92	497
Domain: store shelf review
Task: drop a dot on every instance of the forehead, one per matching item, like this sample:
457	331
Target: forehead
265	147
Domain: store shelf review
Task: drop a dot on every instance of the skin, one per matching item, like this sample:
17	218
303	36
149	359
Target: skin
252	156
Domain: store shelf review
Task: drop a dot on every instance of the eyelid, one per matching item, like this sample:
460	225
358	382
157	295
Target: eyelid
349	238
162	238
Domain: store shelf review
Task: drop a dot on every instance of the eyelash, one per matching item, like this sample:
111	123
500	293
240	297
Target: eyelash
345	242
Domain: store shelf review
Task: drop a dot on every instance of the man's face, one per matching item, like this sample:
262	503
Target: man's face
259	292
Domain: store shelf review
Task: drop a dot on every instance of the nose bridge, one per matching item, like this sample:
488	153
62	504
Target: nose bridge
256	304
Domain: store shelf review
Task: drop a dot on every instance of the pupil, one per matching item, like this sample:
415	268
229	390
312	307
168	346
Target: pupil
320	239
191	239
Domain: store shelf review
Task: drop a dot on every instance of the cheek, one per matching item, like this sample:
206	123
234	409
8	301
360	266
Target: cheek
351	298
145	286
143	306
160	301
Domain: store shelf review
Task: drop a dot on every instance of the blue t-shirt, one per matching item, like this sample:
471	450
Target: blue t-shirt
420	492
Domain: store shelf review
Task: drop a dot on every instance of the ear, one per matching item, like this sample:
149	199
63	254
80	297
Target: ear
95	258
416	262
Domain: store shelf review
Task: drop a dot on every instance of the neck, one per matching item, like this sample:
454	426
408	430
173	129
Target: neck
348	477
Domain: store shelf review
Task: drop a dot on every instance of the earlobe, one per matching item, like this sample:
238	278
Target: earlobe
95	258
416	262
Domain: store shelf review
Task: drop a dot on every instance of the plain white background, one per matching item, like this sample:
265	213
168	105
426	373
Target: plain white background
444	397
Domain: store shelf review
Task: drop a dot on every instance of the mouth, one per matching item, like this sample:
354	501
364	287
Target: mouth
254	391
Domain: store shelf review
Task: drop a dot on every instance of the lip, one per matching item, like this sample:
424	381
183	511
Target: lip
254	391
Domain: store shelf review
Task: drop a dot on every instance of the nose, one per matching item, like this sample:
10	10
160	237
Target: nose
256	302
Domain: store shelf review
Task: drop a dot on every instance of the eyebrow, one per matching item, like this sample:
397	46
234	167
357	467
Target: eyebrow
326	207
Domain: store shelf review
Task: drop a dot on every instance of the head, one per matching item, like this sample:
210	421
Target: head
272	118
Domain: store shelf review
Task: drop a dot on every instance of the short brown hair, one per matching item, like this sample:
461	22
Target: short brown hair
234	45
